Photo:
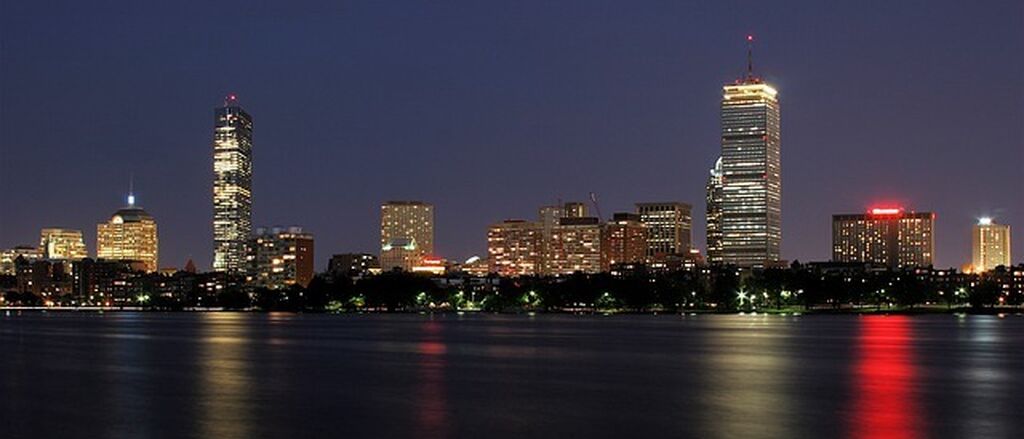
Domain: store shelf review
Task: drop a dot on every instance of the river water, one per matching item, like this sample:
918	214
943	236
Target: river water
247	375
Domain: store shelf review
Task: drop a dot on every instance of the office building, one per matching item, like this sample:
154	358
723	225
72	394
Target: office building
625	241
990	245
232	186
353	264
514	248
886	236
279	257
669	227
406	234
9	257
575	246
751	220
62	244
129	235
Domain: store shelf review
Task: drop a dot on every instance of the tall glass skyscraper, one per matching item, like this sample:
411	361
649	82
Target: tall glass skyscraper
232	186
751	173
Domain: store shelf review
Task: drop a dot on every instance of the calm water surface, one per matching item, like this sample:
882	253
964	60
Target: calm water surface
227	375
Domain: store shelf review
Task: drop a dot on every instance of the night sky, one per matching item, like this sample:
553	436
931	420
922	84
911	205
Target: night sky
490	109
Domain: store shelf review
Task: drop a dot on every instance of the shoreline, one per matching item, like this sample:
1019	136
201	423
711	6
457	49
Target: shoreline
1000	311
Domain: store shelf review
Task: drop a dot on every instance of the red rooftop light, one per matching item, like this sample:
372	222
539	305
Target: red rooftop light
886	210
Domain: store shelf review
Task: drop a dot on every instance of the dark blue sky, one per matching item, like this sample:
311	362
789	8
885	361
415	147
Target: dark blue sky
490	109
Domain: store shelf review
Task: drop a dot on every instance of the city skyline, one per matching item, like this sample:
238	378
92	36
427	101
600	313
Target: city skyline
873	162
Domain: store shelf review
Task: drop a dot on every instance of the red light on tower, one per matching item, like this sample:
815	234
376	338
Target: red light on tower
750	38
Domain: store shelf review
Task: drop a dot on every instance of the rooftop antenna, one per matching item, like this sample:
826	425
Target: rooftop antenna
750	56
131	189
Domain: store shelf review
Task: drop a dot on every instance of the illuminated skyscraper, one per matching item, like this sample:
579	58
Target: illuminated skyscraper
990	245
62	244
713	214
668	228
130	235
406	234
232	186
887	236
751	172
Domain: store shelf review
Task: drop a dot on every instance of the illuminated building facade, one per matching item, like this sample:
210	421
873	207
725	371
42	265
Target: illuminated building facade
549	217
887	236
514	248
751	216
575	246
8	257
990	245
406	234
232	186
280	257
668	228
62	244
713	214
625	241
129	235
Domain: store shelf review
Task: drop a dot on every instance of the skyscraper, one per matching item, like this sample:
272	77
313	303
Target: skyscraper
668	228
406	234
713	214
990	245
888	236
64	244
232	186
279	257
751	172
129	235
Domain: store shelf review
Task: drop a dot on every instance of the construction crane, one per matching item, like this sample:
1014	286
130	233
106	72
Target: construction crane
597	208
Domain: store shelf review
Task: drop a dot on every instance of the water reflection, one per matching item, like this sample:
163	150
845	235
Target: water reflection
885	380
225	387
985	381
748	374
431	404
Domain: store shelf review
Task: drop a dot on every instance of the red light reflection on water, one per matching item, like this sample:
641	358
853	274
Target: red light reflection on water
431	405
885	404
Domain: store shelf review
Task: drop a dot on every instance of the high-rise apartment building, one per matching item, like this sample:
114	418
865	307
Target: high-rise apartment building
280	256
668	228
751	173
888	236
62	244
713	214
575	246
406	234
514	248
624	241
129	235
990	245
232	186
